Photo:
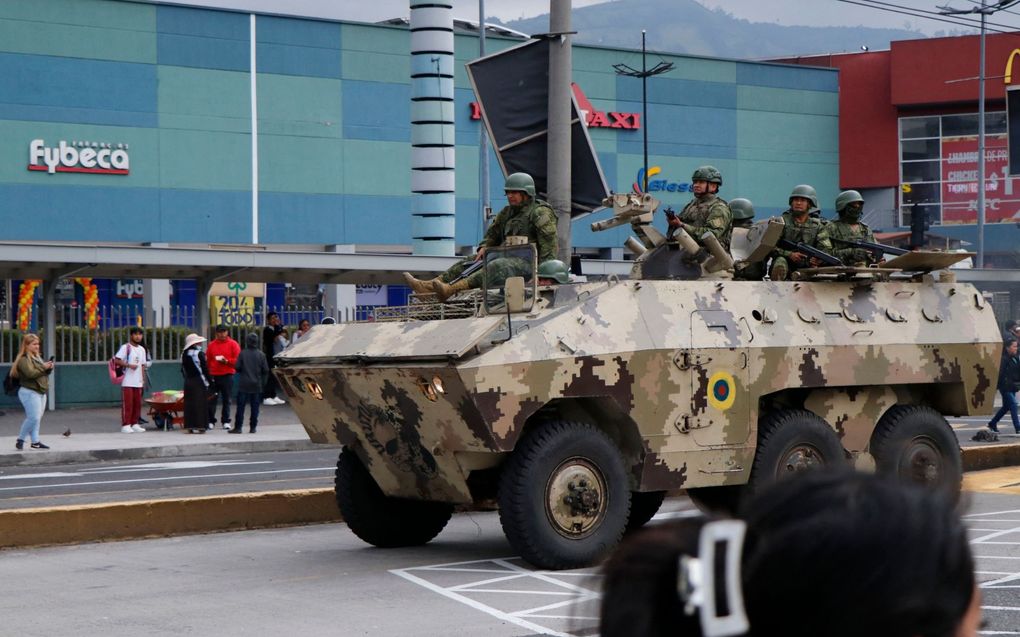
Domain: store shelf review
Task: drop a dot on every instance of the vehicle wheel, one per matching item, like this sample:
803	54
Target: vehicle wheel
916	444
379	519
564	496
791	441
725	499
643	505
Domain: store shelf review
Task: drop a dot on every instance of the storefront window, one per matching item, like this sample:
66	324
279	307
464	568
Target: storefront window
939	168
914	127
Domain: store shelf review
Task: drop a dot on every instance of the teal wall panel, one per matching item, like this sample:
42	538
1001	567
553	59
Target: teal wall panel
377	168
128	16
763	98
204	160
301	164
88	385
204	99
300	106
75	40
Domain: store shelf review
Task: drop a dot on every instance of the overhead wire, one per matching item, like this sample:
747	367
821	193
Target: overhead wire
938	17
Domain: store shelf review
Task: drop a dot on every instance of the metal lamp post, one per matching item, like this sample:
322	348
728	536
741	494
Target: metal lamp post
644	74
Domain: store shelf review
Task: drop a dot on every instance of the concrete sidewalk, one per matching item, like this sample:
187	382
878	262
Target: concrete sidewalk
95	435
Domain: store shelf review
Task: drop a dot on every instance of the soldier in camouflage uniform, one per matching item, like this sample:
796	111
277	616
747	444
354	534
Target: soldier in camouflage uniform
800	228
707	212
743	217
526	216
849	205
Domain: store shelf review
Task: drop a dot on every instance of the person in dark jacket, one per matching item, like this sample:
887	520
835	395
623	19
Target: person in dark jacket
252	375
1009	381
270	332
197	384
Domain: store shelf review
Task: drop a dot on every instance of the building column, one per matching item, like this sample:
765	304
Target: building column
203	287
49	287
340	301
157	300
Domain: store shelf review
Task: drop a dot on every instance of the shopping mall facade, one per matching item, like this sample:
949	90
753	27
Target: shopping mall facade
146	123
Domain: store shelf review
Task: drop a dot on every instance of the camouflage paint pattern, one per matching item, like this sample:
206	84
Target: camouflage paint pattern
677	372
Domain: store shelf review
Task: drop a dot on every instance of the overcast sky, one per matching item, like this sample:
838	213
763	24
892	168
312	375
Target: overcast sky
787	12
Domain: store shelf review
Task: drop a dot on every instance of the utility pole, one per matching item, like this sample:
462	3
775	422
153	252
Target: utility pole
984	10
644	74
558	173
484	202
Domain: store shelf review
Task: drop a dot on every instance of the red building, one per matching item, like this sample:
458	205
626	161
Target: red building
909	136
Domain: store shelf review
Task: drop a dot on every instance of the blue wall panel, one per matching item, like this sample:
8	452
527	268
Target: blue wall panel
202	22
62	87
284	59
469	219
787	77
200	216
77	213
299	218
202	53
377	219
306	33
686	131
377	111
681	92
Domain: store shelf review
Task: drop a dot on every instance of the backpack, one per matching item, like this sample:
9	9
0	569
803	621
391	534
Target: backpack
11	385
116	373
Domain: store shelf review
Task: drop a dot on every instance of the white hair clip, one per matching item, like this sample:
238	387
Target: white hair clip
721	608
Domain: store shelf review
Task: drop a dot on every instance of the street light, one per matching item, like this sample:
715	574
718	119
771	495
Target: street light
984	10
644	74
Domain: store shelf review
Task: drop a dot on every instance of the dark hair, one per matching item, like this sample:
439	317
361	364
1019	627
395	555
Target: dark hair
639	589
1010	324
826	554
1007	342
845	554
271	315
136	330
222	328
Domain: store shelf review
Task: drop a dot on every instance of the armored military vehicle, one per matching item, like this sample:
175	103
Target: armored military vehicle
577	406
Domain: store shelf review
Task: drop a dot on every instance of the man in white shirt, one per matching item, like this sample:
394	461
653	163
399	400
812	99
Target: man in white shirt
132	358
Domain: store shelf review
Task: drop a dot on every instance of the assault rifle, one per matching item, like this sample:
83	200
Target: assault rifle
877	250
468	271
803	248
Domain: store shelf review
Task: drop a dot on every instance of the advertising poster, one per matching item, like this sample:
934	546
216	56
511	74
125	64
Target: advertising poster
960	181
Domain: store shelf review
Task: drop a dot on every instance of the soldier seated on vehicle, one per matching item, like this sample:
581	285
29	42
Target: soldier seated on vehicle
800	227
743	217
706	212
823	553
849	228
553	271
525	216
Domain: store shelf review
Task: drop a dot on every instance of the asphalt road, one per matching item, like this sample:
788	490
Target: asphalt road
98	482
321	580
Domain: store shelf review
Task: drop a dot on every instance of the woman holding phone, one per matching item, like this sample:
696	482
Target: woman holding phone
33	375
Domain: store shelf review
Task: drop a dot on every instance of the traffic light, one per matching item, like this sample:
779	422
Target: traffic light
918	224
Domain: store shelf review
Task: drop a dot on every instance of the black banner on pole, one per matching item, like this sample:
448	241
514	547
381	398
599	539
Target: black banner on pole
1013	128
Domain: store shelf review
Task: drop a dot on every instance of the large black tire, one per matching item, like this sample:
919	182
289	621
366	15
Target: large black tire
379	519
916	444
564	497
791	441
643	505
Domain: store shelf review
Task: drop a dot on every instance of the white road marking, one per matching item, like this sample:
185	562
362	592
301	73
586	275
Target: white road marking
161	479
154	466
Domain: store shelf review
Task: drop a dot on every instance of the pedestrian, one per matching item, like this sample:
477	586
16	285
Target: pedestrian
524	216
33	375
132	358
197	385
252	376
1009	382
1012	330
303	326
820	554
272	329
222	356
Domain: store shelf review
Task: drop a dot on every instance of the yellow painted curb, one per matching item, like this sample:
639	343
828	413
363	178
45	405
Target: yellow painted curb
990	457
1004	480
158	518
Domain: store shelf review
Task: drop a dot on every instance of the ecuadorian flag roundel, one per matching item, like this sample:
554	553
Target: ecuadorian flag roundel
721	390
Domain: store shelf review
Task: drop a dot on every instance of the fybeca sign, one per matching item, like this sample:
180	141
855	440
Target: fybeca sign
79	157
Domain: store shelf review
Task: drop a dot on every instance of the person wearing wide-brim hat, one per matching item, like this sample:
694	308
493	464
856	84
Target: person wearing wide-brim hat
196	385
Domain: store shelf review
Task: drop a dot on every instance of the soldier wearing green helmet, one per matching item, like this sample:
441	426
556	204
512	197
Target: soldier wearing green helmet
706	212
554	269
743	217
849	228
800	227
525	216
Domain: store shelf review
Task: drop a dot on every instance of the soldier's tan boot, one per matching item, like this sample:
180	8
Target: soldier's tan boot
417	285
779	272
445	291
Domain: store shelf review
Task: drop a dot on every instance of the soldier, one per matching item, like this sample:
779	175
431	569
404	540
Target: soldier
743	217
849	227
800	228
525	216
706	212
